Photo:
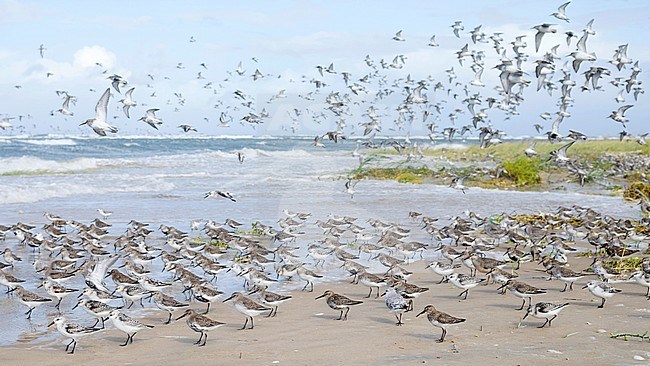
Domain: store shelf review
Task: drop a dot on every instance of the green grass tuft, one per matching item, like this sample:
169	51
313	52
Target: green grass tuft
403	174
524	171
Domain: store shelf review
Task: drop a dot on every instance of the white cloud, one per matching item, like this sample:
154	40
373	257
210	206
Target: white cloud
90	55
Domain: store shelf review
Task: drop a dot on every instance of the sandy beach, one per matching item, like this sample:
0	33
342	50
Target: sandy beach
179	154
305	332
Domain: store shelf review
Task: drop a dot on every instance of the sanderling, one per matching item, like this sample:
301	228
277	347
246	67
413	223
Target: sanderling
167	303
98	295
464	282
56	290
602	290
643	279
128	102
396	304
151	119
561	12
99	123
97	309
9	280
72	330
567	275
522	290
220	194
440	320
105	214
372	281
545	310
339	302
247	307
200	323
308	276
9	257
206	294
132	294
127	325
29	299
269	298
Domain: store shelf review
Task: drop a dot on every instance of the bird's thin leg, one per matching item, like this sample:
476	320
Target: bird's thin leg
128	336
522	304
442	337
466	292
68	346
543	325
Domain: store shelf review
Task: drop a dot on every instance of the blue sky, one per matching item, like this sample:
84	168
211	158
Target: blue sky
289	39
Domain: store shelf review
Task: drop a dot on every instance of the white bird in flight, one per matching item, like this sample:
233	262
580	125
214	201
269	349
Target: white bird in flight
98	123
128	102
151	119
220	194
561	12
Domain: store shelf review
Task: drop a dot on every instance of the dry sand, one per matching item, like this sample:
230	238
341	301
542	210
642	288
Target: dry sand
305	332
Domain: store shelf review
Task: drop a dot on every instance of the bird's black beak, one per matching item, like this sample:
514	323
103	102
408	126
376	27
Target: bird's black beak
321	296
420	313
230	298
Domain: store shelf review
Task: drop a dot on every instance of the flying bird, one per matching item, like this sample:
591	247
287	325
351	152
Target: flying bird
98	123
187	128
561	12
220	194
151	119
619	114
41	50
127	102
398	37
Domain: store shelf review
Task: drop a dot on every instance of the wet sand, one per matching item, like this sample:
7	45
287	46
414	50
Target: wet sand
305	331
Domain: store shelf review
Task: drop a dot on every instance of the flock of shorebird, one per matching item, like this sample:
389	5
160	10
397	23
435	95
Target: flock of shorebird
336	95
120	269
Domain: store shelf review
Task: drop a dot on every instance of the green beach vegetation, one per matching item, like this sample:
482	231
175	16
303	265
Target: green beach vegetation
610	166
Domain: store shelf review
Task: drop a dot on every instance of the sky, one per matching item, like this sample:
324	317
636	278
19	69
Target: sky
159	48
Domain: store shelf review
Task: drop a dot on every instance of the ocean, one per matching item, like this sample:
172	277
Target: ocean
163	180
